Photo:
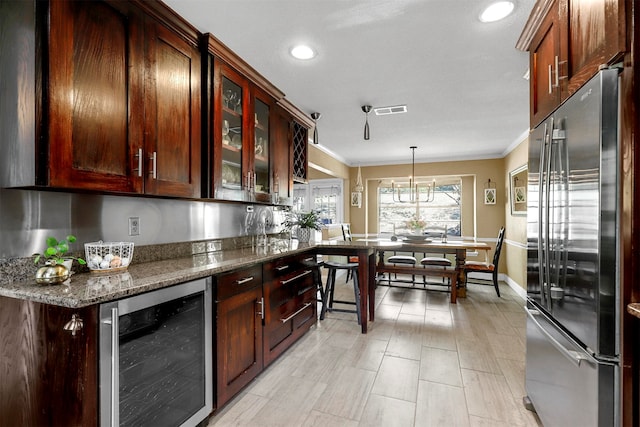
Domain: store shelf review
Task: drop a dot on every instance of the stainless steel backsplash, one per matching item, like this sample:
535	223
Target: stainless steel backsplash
28	217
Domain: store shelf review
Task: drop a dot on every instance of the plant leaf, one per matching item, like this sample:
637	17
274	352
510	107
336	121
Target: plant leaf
52	241
51	251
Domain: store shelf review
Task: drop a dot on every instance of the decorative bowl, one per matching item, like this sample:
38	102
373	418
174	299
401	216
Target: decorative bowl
108	256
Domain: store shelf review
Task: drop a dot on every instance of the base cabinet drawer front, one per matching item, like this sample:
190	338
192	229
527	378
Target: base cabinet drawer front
237	282
290	307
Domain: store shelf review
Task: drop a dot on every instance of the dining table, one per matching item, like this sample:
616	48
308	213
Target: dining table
370	253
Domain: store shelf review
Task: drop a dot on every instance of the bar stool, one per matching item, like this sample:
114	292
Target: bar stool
315	263
327	304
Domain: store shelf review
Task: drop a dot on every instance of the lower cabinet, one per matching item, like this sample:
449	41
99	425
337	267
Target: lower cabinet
49	374
290	302
260	312
239	315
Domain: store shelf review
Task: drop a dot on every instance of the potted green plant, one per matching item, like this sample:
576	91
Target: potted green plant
304	222
58	262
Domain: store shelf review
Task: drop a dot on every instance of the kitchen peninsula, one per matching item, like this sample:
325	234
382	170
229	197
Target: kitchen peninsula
56	329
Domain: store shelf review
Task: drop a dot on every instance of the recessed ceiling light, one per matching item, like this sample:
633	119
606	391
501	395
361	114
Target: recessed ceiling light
497	11
302	52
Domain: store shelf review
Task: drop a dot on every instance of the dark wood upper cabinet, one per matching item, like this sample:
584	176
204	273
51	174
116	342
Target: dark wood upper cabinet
172	108
568	41
122	102
594	35
545	92
282	138
249	131
95	79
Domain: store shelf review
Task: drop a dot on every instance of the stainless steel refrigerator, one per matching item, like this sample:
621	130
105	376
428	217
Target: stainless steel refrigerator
572	363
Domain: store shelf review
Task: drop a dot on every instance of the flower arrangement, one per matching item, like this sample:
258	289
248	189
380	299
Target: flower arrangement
303	220
416	223
56	252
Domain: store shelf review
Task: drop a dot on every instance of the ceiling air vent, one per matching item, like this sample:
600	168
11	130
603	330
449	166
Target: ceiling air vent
396	109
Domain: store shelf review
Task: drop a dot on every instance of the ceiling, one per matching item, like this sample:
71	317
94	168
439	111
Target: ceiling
462	80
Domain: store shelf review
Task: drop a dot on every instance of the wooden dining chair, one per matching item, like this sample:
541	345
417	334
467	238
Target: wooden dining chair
485	267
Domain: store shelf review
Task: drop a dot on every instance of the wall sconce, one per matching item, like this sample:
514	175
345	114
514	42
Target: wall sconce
366	109
315	117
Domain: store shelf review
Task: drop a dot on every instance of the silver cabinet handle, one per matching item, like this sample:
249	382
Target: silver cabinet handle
154	164
550	82
310	259
305	273
286	319
573	356
557	73
243	281
282	267
261	312
139	156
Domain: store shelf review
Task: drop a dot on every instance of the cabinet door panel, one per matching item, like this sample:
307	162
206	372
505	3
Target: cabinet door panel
545	94
595	36
239	343
95	63
173	115
282	157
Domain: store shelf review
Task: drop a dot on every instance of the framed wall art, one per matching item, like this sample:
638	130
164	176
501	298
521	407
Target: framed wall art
356	199
518	191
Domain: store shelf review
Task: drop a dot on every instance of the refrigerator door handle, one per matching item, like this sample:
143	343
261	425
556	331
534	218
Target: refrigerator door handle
573	356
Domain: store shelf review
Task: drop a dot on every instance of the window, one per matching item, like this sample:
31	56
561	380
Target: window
443	211
323	195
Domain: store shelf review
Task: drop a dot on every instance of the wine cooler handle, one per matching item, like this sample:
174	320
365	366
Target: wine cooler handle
115	364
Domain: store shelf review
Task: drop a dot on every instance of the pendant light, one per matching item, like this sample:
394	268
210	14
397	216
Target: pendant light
414	187
315	117
366	109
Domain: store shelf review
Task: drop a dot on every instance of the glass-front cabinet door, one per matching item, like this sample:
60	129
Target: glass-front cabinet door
233	166
261	149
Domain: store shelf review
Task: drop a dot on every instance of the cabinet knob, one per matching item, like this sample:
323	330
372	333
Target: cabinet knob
74	325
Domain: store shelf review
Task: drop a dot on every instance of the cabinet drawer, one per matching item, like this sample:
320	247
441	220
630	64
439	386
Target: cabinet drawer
286	266
235	282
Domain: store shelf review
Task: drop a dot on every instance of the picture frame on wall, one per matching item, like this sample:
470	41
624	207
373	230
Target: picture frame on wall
356	199
518	190
489	196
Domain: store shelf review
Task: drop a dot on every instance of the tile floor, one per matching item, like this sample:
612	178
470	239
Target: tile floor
424	362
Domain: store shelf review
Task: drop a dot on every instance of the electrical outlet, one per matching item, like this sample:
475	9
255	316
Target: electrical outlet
134	226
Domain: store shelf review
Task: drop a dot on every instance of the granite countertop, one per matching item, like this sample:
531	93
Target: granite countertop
86	289
634	309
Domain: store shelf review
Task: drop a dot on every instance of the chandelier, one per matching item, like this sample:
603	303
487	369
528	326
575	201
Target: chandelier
416	191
